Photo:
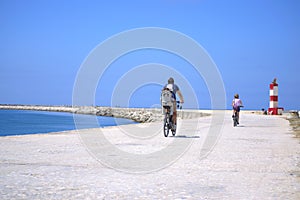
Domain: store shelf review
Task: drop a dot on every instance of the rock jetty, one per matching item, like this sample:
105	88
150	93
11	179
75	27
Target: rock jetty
141	115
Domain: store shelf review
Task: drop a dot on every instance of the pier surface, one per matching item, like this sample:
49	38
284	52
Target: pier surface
257	160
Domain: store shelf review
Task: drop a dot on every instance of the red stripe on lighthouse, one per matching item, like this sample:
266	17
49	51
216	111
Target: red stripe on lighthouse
273	98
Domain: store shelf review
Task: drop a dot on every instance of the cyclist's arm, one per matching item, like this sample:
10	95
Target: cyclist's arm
180	96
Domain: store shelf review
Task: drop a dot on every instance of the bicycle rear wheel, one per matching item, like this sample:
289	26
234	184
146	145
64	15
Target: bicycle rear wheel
235	120
166	125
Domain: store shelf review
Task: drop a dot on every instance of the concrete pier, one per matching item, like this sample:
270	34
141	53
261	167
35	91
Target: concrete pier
257	160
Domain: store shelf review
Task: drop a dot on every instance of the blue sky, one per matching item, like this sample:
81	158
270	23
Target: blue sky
44	43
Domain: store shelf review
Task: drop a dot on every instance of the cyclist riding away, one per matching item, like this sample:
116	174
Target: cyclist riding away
236	106
175	90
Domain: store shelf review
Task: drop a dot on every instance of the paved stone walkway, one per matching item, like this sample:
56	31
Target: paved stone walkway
260	159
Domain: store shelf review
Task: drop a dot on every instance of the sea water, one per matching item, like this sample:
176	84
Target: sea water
21	122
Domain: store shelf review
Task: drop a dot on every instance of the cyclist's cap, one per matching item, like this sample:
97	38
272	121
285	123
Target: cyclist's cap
236	96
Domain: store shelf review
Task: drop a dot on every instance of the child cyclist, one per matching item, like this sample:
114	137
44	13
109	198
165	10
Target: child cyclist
236	105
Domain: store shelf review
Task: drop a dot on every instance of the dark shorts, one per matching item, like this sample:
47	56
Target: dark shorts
237	108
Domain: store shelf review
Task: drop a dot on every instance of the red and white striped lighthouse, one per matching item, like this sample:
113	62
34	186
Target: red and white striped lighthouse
273	106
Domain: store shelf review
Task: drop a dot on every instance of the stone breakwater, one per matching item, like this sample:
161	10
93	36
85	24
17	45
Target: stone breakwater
294	120
141	115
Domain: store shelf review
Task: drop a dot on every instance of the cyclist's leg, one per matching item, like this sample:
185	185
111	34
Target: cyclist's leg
174	119
238	114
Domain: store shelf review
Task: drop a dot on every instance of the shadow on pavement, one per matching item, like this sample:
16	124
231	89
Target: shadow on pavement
184	136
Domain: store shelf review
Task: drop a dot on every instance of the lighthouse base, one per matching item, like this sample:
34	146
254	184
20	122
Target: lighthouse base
275	111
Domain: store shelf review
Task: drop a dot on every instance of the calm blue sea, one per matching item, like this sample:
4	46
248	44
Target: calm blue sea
21	122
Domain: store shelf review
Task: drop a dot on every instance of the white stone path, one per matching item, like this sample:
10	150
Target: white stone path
258	160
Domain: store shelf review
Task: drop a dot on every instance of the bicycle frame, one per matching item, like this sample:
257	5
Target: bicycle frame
168	121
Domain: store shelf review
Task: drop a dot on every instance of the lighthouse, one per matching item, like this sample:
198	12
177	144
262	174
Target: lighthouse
273	105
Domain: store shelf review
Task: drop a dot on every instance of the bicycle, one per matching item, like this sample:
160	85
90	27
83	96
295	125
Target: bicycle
168	124
235	118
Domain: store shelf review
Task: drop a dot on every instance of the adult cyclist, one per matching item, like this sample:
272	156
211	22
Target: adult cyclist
175	90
